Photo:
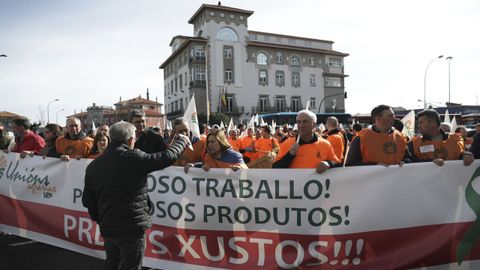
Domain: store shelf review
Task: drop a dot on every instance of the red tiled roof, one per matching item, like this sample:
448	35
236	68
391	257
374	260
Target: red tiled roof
137	100
5	114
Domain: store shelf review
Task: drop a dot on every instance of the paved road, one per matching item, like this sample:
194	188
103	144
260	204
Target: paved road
18	253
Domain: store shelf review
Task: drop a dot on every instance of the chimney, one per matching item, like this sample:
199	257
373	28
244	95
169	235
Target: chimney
148	95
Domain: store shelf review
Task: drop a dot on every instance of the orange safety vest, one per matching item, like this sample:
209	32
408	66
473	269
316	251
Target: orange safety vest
235	144
264	144
309	155
189	156
337	142
249	142
382	148
449	149
74	148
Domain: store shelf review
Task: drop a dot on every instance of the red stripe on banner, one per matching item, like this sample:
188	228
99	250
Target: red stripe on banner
386	249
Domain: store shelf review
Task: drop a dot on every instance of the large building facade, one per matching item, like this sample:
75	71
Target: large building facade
240	72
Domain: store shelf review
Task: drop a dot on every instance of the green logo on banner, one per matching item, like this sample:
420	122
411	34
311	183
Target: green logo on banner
473	233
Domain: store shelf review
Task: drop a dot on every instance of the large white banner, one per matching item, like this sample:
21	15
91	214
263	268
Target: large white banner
368	217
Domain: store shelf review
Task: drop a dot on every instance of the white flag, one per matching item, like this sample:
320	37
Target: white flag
274	125
94	128
409	124
453	124
447	117
262	123
321	127
231	126
222	125
308	105
255	119
191	116
251	124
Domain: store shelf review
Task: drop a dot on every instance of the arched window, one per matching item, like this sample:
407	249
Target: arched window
226	34
294	62
262	59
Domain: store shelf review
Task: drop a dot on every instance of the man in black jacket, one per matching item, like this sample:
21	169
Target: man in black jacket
148	140
116	195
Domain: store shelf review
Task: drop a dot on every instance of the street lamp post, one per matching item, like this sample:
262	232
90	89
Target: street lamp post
425	81
56	116
449	58
48	109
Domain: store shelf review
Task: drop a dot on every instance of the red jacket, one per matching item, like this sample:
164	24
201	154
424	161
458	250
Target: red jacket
31	142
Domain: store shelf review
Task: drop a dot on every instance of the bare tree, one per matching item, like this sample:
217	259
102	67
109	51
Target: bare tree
41	116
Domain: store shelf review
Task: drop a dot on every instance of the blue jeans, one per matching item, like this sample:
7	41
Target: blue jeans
124	252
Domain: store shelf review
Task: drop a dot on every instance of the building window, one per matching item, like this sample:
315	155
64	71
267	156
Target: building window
312	79
262	59
262	77
227	34
186	101
212	14
229	103
295	79
228	75
181	104
222	15
294	62
232	16
279	78
311	61
312	103
171	86
263	101
308	43
176	105
253	37
198	73
227	53
279	57
186	78
278	40
291	41
241	18
295	104
267	38
280	104
333	82
176	85
180	82
200	53
335	62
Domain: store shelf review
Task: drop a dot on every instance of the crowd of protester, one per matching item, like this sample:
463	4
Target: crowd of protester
304	145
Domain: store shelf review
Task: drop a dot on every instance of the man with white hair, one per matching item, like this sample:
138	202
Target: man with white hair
116	194
308	150
74	144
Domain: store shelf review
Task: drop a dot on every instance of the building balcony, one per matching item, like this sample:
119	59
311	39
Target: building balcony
198	83
196	60
175	114
274	109
231	110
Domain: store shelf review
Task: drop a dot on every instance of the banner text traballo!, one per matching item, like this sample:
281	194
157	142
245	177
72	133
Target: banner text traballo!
253	193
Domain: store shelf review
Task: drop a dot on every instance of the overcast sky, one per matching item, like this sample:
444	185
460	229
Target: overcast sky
89	51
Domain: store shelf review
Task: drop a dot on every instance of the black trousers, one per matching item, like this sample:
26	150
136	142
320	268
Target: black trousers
124	252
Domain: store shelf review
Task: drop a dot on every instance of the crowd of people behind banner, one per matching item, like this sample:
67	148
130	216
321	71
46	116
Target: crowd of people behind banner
305	146
116	193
